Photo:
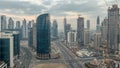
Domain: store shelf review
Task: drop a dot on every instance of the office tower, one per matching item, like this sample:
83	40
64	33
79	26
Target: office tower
17	25
30	38
104	30
80	31
88	24
6	49
30	24
24	30
55	29
71	37
98	28
34	36
113	25
43	36
3	23
65	32
11	23
119	39
86	36
30	35
16	37
97	40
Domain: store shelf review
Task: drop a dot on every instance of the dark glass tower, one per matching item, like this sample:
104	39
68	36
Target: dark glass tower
43	36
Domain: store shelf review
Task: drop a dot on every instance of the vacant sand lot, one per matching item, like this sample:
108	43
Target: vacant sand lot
50	65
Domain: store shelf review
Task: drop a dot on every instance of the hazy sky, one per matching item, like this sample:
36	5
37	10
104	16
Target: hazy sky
58	9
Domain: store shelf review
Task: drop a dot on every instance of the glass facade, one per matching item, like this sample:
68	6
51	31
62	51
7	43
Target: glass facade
16	44
5	51
43	34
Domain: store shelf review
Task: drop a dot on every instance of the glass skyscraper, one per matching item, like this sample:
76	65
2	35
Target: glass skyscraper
43	36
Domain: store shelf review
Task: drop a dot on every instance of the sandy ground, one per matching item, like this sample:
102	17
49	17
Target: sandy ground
50	65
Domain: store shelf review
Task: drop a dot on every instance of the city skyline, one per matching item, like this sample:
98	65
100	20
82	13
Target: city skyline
58	9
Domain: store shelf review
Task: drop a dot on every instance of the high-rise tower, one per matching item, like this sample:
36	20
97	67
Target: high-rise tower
43	36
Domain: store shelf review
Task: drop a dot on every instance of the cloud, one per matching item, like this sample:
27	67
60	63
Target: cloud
90	9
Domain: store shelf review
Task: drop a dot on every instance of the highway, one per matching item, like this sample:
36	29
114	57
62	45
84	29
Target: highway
25	58
69	57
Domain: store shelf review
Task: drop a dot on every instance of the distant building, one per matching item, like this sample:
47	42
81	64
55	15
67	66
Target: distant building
10	23
6	49
98	28
65	30
104	30
97	40
3	23
30	24
43	36
86	36
88	24
113	28
30	38
34	36
72	38
24	30
55	29
80	31
18	25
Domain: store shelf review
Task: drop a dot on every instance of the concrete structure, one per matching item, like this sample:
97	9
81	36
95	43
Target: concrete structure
7	48
113	28
97	40
43	36
80	31
24	30
3	23
71	38
86	36
10	23
3	64
17	25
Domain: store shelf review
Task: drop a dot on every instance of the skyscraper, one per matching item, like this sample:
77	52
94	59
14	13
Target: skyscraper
43	36
24	30
34	36
17	25
6	49
104	30
113	28
86	36
30	24
97	39
71	37
65	31
55	29
11	23
80	31
88	24
98	24
3	23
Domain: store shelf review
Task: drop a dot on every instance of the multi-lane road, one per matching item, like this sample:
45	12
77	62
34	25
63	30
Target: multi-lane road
69	58
25	59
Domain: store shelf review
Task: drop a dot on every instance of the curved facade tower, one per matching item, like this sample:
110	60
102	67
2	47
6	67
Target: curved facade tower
43	36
